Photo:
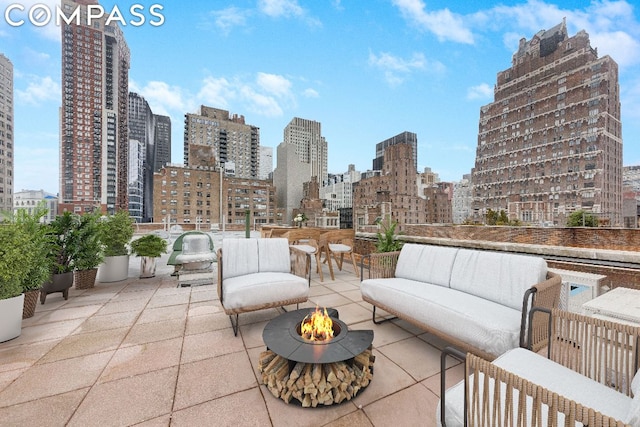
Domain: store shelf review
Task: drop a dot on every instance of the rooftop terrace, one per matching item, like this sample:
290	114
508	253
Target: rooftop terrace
145	352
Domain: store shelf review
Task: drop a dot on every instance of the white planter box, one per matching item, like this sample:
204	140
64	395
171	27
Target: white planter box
11	317
114	269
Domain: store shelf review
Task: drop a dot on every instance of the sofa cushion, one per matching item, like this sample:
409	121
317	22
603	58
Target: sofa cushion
550	375
499	277
262	289
273	255
239	257
426	263
491	327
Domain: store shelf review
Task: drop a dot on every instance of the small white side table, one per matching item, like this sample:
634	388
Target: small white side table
619	304
579	278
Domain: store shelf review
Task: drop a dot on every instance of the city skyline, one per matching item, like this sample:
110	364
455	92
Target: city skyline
365	71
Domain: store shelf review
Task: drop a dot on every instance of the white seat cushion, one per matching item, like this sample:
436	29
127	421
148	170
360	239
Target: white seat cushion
553	376
499	277
306	248
484	324
273	255
339	248
262	289
426	263
239	257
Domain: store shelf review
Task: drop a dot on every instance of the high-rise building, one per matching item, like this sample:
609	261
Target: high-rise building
337	191
228	138
266	162
153	132
94	141
551	141
301	155
462	200
6	134
409	138
136	179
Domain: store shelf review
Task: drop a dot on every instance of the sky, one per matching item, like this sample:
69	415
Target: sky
366	70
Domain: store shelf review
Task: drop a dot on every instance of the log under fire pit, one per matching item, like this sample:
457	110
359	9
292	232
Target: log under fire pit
322	372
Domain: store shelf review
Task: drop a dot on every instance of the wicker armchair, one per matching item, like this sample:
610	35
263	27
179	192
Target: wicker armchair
586	378
254	274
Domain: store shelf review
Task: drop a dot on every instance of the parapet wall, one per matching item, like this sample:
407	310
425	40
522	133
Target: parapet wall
614	252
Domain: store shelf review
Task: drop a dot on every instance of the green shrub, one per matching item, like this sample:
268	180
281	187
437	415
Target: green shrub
116	231
149	245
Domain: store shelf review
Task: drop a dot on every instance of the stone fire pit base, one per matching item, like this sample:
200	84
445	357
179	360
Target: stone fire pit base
314	384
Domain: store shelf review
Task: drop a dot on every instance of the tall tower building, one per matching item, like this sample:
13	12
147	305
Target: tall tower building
6	134
213	132
301	155
551	142
266	162
94	141
405	137
153	132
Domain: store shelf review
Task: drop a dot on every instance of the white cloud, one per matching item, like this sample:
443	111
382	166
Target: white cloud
310	93
444	24
275	84
162	97
227	19
260	103
397	69
49	31
39	89
278	8
481	91
217	92
611	25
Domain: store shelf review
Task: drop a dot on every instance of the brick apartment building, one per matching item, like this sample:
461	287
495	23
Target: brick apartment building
394	193
191	195
551	142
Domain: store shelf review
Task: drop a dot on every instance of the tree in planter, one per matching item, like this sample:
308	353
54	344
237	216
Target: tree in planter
148	247
39	270
63	245
115	233
89	251
16	258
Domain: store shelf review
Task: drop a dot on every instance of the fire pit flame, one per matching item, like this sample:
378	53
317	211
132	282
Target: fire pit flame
317	327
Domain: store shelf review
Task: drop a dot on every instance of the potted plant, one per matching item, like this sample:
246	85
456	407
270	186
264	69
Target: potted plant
89	251
40	267
64	238
148	248
115	233
17	255
300	218
387	241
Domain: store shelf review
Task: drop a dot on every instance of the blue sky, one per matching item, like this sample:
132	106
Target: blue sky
367	70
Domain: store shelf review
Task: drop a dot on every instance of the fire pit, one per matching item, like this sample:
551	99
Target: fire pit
311	366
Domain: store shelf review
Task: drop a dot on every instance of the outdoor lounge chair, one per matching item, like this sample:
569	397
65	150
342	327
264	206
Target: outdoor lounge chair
254	274
588	376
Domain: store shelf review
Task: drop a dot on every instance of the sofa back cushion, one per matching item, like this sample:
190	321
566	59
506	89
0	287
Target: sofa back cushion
273	255
426	263
499	277
239	257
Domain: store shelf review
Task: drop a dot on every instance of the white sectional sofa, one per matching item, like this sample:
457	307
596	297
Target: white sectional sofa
476	300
